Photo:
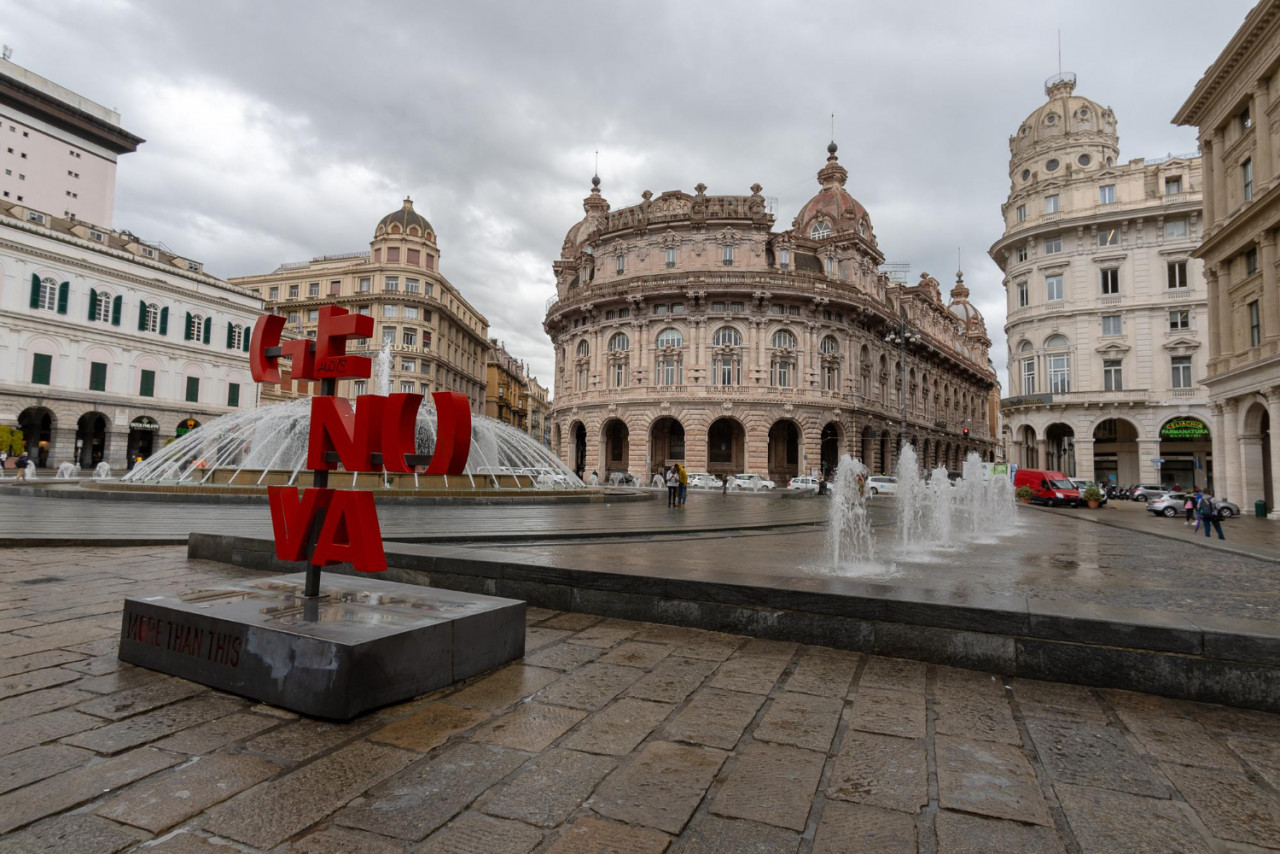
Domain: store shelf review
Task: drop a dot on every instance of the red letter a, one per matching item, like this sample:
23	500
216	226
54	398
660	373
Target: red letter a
351	534
291	518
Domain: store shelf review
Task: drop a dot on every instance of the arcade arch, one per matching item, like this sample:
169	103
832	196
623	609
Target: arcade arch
617	446
784	451
1115	452
726	447
666	443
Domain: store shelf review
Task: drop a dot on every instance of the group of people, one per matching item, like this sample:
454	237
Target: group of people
677	480
1203	509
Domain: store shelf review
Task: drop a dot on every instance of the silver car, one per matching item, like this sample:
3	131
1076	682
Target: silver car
1172	504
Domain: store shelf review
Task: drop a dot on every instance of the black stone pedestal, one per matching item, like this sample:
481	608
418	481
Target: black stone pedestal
363	643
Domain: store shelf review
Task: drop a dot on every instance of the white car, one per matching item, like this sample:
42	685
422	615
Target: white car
803	482
751	481
882	485
704	480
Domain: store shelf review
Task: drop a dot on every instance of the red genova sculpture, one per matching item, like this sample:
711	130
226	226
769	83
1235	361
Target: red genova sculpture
326	526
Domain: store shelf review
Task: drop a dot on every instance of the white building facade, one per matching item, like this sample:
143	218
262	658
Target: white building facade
1107	319
109	346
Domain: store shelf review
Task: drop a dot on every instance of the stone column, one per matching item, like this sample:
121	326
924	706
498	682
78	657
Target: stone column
62	447
1042	453
1148	450
1270	305
1218	455
1231	485
1273	410
1207	185
1016	451
1211	284
1262	167
116	452
1218	187
1084	459
1226	343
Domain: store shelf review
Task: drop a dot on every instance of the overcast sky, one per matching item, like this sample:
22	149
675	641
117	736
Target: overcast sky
278	131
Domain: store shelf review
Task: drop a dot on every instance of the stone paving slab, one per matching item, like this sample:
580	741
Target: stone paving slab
645	752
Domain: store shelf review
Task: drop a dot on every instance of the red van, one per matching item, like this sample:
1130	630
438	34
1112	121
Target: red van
1048	487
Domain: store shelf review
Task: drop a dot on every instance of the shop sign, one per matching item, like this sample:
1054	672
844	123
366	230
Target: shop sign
1185	430
185	427
143	424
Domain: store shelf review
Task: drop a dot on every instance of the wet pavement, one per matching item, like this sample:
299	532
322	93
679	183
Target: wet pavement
608	736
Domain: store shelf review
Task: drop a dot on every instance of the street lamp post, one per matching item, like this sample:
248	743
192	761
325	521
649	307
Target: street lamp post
902	333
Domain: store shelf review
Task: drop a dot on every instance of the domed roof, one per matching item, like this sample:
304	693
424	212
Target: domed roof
833	204
960	307
595	206
404	217
1064	115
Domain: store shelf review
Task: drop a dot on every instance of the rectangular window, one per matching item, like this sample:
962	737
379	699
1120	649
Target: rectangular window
293	317
677	308
391	283
390	311
1107	194
1020	254
388	335
360	387
313	315
1250	261
726	255
622	264
293	292
1177	274
41	368
1024	296
1181	371
97	376
313	289
1255	324
274	293
1173	186
366	284
393	254
233	394
1246	120
406	386
1112	375
1246	178
1053	245
411	312
1059	375
793	310
1053	288
410	286
1111	324
778	309
1180	319
671	256
408	365
193	389
335	288
1108	237
1028	376
1110	281
1022	213
415	257
410	337
784	259
147	384
1051	204
1175	228
735	307
660	308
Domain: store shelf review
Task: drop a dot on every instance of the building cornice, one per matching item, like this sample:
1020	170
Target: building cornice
1242	228
18	95
1219	75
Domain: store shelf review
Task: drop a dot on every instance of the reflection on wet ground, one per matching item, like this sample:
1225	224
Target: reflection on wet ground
1038	555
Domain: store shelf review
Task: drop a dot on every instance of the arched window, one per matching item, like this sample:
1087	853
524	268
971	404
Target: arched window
820	230
1028	359
829	345
99	306
619	342
618	373
150	317
670	337
831	265
195	327
727	336
235	337
584	349
48	295
784	340
1059	360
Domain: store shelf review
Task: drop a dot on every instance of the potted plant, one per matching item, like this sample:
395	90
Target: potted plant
1093	495
1024	494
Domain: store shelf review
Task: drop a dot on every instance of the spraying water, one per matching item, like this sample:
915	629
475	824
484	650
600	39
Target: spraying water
65	470
31	471
941	505
102	471
382	369
848	527
911	497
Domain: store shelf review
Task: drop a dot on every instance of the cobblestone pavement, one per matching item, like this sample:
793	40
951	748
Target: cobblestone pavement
609	736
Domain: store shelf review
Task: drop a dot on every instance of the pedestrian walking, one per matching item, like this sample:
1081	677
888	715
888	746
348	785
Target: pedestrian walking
724	485
1210	510
673	486
1189	506
682	477
23	459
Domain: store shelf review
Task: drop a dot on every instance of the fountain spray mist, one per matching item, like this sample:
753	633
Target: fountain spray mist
848	527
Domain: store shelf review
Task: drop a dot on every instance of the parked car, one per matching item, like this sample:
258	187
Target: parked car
880	483
751	481
704	480
1147	491
1082	485
1172	504
1048	487
803	482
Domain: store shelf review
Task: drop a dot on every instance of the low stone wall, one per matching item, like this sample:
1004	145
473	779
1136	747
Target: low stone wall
1210	659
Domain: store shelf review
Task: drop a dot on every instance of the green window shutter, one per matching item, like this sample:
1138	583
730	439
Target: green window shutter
35	291
208	329
41	368
117	309
64	291
164	320
193	389
230	332
186	328
147	388
93	303
142	316
233	394
97	376
247	333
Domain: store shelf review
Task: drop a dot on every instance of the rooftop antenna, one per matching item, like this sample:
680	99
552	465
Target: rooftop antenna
1059	50
7	52
833	127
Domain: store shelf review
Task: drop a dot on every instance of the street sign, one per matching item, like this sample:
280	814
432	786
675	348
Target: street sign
1157	460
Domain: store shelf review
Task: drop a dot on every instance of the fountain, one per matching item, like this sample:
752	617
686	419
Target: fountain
102	471
31	471
382	369
268	445
911	497
66	470
941	505
848	527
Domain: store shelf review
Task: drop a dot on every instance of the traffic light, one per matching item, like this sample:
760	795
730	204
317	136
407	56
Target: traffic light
965	432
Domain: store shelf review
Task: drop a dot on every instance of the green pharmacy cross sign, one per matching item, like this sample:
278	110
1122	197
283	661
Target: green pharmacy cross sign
1186	430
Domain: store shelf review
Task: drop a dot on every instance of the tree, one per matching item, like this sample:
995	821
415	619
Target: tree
12	440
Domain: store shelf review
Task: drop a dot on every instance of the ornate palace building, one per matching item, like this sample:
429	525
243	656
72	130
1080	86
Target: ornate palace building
436	340
1234	107
686	329
1107	317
